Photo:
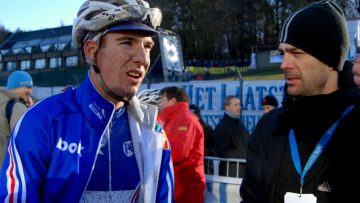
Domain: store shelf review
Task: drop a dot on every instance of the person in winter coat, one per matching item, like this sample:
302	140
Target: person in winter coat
186	138
269	102
296	153
208	130
231	137
13	103
99	143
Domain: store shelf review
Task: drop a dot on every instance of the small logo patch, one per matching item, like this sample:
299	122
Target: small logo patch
99	112
325	187
183	128
128	148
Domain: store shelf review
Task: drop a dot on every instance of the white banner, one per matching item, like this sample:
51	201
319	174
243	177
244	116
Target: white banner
209	96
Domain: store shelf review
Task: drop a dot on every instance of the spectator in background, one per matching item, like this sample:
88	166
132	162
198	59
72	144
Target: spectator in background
186	138
297	151
207	75
20	84
208	130
13	104
66	88
231	136
199	76
269	102
96	143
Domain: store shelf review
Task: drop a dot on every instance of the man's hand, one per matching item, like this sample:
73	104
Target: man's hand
27	100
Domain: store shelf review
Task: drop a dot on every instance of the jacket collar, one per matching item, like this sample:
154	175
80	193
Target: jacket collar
98	110
306	112
168	112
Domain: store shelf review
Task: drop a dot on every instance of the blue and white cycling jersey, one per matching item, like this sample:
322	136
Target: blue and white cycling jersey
54	147
116	176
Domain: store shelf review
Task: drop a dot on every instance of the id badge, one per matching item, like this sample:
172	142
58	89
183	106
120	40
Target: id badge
291	197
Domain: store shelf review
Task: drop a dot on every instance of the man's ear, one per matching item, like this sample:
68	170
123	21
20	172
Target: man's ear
173	100
90	48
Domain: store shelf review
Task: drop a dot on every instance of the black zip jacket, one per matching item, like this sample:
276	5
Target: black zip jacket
270	171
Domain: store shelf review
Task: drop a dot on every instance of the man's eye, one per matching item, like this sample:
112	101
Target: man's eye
149	46
126	42
298	53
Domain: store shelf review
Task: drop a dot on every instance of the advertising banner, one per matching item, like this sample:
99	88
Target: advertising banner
209	96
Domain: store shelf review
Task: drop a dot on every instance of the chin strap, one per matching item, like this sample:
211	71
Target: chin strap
108	91
96	69
102	82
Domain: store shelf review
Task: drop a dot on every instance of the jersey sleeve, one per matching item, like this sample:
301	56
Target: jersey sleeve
25	161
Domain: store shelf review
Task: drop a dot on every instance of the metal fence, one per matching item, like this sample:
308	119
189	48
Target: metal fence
223	179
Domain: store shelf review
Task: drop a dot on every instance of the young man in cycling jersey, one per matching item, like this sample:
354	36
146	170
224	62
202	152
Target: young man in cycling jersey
100	144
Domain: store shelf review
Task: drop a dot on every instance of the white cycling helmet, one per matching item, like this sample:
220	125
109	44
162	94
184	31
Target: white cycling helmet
150	96
99	15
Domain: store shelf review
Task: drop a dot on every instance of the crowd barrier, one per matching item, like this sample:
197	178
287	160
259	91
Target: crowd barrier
222	187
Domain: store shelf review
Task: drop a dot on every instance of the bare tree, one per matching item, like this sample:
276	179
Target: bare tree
3	34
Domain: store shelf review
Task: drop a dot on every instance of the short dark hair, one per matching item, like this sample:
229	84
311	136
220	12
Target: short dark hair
228	99
174	92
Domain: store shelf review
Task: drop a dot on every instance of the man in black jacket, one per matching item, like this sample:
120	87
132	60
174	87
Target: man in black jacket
230	137
298	152
208	131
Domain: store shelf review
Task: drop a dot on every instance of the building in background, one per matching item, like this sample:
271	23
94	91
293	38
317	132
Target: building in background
52	59
48	55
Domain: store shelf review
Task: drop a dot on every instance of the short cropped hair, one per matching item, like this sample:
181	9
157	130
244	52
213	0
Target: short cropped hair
228	99
174	92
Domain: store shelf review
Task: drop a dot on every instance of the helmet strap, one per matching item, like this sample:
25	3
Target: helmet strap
96	68
111	93
102	82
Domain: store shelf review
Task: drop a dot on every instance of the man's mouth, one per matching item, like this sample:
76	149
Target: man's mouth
134	74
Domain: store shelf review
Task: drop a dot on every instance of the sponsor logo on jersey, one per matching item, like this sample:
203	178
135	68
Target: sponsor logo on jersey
99	112
69	147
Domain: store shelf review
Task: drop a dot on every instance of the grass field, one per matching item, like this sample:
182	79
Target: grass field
278	76
257	74
231	73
